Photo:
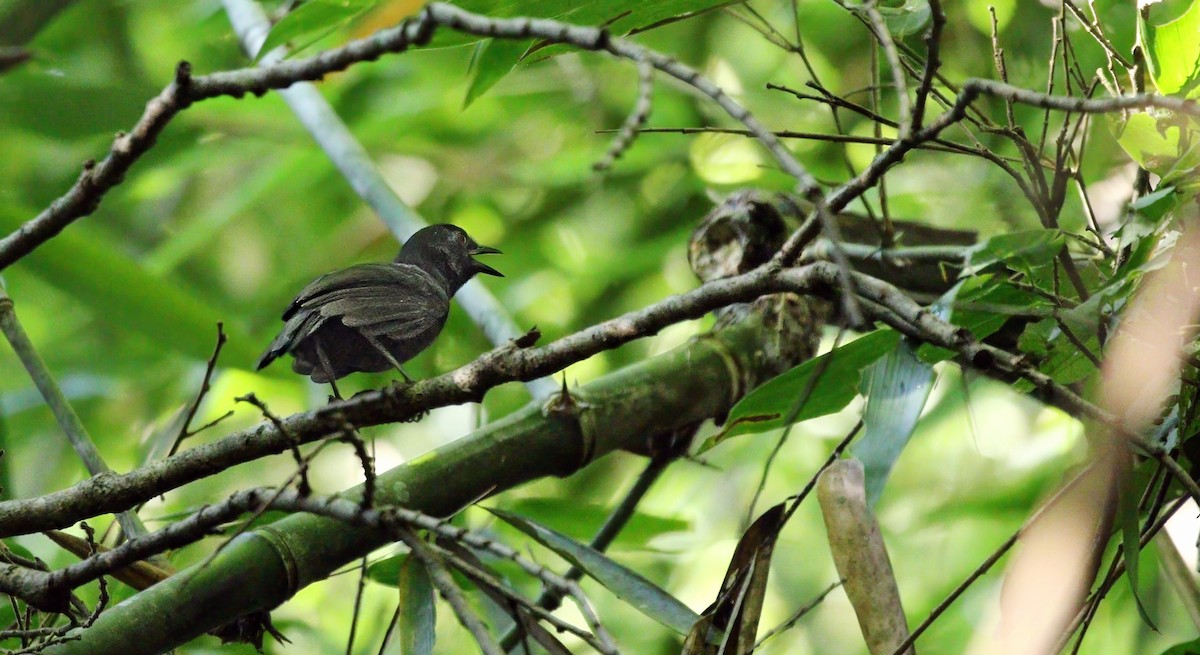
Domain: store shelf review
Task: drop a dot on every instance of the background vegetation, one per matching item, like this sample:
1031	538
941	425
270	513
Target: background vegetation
236	208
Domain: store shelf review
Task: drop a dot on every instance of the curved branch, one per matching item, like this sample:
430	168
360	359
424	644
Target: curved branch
112	493
97	179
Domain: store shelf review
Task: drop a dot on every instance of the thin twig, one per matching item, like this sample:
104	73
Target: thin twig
551	597
205	385
798	499
789	421
884	37
1097	33
933	62
795	618
632	126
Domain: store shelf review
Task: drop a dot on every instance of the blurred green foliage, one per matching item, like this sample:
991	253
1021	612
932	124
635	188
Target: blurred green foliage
236	208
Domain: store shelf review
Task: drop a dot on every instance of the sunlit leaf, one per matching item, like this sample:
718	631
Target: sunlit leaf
1167	32
310	22
1161	141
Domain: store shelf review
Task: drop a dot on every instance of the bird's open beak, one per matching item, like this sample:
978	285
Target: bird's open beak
484	268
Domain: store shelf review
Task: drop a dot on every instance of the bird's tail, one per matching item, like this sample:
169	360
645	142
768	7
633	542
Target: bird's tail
269	355
294	331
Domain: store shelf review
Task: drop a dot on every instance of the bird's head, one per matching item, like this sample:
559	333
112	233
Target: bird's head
448	253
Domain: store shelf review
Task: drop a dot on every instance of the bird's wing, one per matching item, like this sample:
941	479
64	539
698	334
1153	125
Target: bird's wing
294	330
338	283
376	299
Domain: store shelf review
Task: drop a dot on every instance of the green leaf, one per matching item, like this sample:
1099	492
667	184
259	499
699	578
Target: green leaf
387	570
124	295
18	549
1155	205
498	58
983	304
1131	546
1060	358
492	61
903	18
416	623
312	21
1163	142
990	304
1167	32
630	587
1020	250
766	407
896	388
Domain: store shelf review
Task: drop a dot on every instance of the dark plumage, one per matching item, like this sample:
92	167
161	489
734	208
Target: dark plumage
374	317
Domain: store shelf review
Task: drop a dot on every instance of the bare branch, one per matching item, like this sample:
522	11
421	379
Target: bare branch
633	123
97	179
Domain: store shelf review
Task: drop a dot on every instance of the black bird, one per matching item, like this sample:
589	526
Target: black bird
374	317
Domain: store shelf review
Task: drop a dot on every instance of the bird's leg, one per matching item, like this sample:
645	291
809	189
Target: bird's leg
388	356
328	368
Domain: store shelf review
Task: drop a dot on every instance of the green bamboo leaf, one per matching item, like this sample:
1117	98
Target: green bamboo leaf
1131	546
491	62
767	407
630	587
312	21
496	59
415	626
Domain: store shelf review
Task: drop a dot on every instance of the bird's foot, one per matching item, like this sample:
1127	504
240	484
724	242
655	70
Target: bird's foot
416	418
396	386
